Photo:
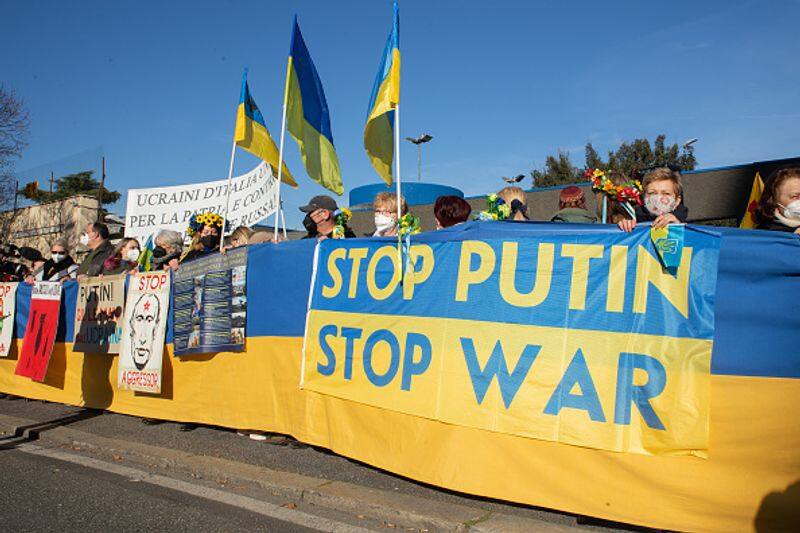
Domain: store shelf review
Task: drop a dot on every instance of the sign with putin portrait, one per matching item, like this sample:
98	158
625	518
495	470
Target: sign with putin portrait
144	326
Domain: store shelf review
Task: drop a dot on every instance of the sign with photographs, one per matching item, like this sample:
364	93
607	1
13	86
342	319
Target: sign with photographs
40	333
143	329
8	300
98	315
210	305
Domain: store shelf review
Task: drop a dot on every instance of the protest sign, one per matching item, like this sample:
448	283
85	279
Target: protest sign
581	339
210	305
40	332
143	329
8	299
252	199
98	315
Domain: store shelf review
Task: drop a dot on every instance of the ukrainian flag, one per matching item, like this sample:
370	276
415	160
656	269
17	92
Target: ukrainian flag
307	116
378	134
252	134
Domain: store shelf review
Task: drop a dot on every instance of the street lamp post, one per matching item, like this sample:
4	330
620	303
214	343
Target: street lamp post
419	141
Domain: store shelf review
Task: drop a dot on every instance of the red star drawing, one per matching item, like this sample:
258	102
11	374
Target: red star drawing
147	306
752	207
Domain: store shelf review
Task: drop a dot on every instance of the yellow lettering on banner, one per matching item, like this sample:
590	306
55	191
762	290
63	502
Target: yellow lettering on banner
376	292
335	274
508	275
674	289
617	273
356	255
581	254
466	276
414	277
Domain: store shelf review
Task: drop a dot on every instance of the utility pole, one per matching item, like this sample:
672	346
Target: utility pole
100	190
52	180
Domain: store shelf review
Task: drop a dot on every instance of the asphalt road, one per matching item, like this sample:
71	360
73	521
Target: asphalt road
42	494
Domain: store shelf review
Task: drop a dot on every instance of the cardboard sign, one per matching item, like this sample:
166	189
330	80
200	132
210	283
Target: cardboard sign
8	299
143	329
40	333
98	315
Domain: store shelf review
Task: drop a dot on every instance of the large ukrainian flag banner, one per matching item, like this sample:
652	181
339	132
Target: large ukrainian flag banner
251	133
379	132
580	338
308	119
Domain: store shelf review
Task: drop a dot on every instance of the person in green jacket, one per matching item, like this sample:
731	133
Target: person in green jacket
572	207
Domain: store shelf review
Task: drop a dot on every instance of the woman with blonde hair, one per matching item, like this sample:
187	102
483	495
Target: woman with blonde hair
516	200
385	209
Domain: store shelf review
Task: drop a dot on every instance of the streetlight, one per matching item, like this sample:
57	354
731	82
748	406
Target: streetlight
419	141
690	142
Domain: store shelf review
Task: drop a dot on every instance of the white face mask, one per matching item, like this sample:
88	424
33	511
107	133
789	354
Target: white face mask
792	210
57	258
132	255
660	204
383	223
85	239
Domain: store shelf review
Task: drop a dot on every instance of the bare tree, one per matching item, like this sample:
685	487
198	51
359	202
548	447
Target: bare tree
14	123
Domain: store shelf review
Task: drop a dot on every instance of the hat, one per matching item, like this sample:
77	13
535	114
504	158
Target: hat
320	202
570	193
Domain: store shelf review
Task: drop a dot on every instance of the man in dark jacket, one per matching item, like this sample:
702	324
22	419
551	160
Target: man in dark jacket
95	237
321	218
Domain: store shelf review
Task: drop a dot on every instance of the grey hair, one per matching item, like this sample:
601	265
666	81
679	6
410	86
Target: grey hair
170	238
62	243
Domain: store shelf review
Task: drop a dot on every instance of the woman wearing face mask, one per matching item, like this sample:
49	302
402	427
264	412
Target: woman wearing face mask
206	232
663	200
60	266
779	207
123	259
385	210
168	249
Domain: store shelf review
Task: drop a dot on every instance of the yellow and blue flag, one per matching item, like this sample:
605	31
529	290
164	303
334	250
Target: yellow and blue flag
307	116
251	133
749	218
379	132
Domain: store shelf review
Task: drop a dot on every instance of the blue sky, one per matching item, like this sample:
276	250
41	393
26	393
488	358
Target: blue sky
498	84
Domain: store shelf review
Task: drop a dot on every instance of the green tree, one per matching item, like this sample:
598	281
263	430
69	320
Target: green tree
70	185
557	170
637	155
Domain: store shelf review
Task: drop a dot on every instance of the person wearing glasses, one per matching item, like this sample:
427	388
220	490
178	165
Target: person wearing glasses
60	266
385	210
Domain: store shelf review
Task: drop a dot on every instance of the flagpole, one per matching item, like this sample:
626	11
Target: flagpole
397	178
227	194
280	148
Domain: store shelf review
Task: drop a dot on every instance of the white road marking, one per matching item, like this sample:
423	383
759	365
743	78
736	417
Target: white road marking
242	502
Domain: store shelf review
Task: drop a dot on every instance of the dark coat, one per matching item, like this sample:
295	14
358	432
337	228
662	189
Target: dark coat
93	263
774	225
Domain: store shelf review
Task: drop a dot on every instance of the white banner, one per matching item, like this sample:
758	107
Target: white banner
143	331
252	199
8	300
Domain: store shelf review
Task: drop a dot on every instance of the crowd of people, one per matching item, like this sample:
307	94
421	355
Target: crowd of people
660	202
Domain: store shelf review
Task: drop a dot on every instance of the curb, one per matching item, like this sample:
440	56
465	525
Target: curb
390	507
